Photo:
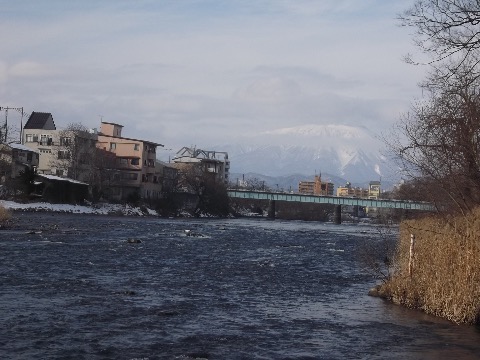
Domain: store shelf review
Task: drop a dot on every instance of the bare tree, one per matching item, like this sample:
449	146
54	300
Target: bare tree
12	134
445	27
255	183
103	174
438	142
211	193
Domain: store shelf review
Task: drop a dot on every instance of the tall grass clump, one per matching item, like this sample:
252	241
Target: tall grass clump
4	216
445	276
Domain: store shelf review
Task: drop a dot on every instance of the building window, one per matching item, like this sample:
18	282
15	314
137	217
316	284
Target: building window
123	161
46	140
29	156
129	176
135	161
31	138
113	146
136	147
64	141
63	154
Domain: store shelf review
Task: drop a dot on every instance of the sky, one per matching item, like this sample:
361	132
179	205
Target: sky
207	72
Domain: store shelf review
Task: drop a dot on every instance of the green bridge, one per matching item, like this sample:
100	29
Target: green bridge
335	200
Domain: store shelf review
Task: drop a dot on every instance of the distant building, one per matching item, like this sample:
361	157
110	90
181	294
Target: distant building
58	189
15	159
135	172
38	134
116	166
374	190
64	153
350	191
167	174
212	162
316	187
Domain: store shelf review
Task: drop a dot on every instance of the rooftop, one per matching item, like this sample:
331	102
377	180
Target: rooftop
126	138
22	147
37	120
111	123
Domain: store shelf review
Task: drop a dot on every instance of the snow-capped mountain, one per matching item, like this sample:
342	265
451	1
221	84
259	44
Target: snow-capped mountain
350	153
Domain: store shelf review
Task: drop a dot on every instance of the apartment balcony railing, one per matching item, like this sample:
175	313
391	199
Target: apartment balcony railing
128	167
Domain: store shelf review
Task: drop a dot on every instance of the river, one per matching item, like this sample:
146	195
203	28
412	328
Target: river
234	289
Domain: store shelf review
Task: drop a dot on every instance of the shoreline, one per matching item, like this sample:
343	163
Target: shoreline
94	209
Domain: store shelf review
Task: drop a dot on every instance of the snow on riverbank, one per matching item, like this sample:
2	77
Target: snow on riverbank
101	209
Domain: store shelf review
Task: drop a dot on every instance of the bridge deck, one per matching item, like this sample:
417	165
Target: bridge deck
336	200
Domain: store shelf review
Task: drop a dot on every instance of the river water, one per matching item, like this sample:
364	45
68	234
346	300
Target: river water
235	289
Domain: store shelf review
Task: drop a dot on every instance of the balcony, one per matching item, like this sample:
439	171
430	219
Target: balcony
48	142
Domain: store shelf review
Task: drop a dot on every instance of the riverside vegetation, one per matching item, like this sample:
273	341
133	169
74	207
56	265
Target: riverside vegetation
5	216
445	276
437	146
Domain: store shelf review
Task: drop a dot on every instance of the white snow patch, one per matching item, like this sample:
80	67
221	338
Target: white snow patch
22	147
102	209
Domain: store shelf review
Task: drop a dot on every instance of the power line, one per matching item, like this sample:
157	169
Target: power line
5	126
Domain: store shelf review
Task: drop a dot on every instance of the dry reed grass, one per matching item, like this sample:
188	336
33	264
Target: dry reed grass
4	215
445	280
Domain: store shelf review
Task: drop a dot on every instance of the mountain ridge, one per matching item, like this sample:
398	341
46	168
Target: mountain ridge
346	153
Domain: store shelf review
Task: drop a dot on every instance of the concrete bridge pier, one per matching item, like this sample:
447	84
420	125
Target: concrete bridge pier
355	211
337	216
271	209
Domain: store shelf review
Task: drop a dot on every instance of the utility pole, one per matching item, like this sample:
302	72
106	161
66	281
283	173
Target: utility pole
3	137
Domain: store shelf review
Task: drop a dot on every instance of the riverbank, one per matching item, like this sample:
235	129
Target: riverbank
99	209
440	272
105	209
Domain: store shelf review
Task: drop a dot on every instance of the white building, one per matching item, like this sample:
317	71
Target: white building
214	162
66	153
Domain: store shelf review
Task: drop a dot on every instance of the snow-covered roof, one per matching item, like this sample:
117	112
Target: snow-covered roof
58	178
22	147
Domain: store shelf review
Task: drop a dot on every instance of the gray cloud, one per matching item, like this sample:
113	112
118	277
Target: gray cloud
197	72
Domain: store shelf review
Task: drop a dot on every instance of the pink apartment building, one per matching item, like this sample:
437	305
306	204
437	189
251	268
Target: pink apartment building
135	170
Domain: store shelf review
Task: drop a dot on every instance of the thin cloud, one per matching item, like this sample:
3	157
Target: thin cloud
192	71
